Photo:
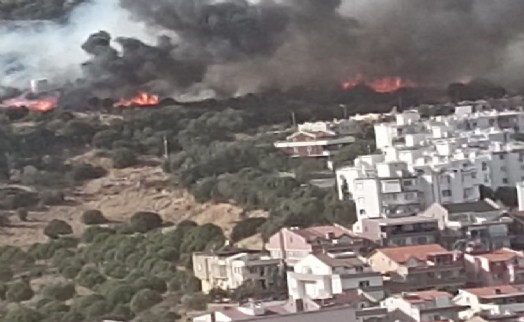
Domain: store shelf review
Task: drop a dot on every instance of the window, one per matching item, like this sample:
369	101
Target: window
501	156
363	284
422	240
505	180
491	122
473	175
359	269
446	193
408	183
484	166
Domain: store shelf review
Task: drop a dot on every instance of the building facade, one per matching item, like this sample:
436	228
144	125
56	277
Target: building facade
498	267
492	301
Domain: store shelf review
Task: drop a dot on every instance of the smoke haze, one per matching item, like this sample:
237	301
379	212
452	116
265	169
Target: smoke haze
237	46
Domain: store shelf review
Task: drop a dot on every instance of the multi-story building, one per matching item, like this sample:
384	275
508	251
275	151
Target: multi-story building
498	267
325	275
228	268
424	306
444	160
321	139
419	267
481	222
293	244
492	301
390	232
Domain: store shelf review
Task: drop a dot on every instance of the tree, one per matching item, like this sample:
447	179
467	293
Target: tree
123	158
248	290
6	273
144	221
89	277
508	196
93	217
60	292
246	228
56	228
144	300
151	282
122	294
91	233
197	301
19	292
83	171
22	214
52	197
23	314
198	238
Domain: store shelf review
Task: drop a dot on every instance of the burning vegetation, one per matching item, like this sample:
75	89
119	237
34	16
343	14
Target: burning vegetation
142	99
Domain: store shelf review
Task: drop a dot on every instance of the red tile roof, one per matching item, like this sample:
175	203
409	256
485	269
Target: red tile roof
418	252
500	255
493	290
313	233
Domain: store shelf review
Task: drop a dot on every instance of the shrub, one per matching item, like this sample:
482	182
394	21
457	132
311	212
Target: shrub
115	269
122	294
52	197
19	292
86	301
22	214
60	292
97	309
23	314
93	217
84	171
91	233
89	277
53	307
15	256
144	300
3	291
57	227
121	313
246	228
184	282
143	221
6	274
197	301
151	282
123	158
72	317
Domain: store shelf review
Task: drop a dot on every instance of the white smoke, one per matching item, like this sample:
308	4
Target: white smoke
35	49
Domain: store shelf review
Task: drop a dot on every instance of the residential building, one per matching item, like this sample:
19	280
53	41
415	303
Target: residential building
229	267
321	139
481	221
445	159
325	275
418	267
491	301
498	267
278	314
293	244
423	306
390	232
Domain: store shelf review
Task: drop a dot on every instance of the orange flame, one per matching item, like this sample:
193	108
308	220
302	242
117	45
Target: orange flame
379	85
38	105
141	99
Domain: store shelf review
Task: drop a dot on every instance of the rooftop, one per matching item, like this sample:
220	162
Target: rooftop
340	261
320	232
490	291
402	220
418	252
423	296
500	255
477	206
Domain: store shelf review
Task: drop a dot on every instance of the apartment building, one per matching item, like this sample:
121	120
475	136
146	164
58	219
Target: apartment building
481	222
404	231
444	159
293	244
492	301
419	267
323	276
498	267
229	267
424	306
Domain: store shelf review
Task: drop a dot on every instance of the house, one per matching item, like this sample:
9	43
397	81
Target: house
498	267
229	267
314	143
423	306
278	313
390	232
418	267
480	221
322	276
293	244
491	301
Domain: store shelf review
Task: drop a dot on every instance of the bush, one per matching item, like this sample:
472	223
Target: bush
89	277
94	217
143	221
151	282
22	214
91	233
3	291
57	227
72	317
23	314
184	282
52	197
53	307
145	299
122	294
6	274
123	158
197	301
60	292
121	313
19	292
115	269
82	172
246	228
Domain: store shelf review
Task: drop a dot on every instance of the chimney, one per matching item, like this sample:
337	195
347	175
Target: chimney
498	291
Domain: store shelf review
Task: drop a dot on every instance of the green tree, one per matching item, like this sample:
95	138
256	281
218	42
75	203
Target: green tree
6	273
60	292
93	217
89	277
151	282
144	300
246	228
19	292
121	294
198	238
123	158
144	221
56	228
23	314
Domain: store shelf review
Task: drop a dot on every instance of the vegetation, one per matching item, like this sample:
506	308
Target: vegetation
94	217
56	228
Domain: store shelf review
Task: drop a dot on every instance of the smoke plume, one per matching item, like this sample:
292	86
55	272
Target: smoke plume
237	46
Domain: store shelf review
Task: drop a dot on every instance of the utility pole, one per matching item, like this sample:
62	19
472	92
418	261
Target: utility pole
345	108
293	119
166	148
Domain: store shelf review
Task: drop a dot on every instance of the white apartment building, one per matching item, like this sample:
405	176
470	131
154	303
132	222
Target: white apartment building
439	160
491	301
323	276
